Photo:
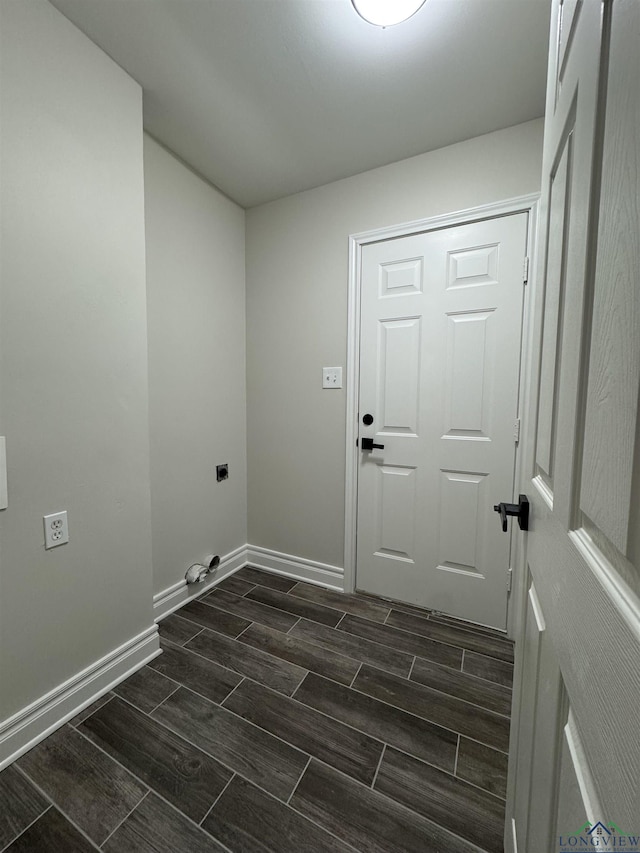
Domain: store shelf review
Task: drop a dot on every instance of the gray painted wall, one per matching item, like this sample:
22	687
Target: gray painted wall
78	384
297	275
73	358
197	401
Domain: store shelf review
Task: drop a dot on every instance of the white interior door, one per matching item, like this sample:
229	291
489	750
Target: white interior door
441	317
575	748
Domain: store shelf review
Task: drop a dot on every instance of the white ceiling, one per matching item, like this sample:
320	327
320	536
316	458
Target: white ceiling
269	97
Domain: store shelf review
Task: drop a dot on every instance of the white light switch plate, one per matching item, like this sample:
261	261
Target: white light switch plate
332	377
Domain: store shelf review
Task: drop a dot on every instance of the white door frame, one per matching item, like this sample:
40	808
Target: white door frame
522	204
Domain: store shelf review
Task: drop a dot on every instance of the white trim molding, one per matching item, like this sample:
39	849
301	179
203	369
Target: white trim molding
28	727
522	204
298	568
178	594
24	730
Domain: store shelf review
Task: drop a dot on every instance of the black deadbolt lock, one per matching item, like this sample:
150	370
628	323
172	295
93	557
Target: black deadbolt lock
367	420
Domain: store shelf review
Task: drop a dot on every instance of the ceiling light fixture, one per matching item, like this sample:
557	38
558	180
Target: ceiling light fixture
386	13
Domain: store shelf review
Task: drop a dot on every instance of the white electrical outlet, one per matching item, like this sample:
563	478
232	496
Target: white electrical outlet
56	529
332	377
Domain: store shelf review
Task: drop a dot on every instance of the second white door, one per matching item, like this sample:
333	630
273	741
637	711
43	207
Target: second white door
441	321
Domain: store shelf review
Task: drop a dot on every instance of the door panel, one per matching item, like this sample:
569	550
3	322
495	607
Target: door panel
401	278
553	312
614	356
399	355
468	391
473	267
536	760
439	367
396	512
575	805
460	548
582	471
568	19
530	644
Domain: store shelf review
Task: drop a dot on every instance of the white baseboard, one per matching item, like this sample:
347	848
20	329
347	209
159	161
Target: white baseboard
24	730
298	568
28	727
175	596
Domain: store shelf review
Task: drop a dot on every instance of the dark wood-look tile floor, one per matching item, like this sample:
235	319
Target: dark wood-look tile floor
281	717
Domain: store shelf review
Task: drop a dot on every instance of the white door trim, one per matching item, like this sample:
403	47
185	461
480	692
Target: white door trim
522	204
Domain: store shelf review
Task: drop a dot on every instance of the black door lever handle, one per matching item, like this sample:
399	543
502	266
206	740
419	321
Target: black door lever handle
520	510
367	444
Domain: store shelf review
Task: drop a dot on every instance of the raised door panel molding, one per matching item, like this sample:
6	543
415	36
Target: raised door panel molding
578	806
559	206
469	377
534	629
463	497
473	267
395	512
399	376
569	14
614	363
401	278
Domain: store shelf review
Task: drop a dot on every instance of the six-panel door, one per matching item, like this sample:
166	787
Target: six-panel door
439	366
575	748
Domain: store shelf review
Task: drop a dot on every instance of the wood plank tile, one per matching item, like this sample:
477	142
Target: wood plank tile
397	605
247	820
21	805
251	610
187	777
354	647
495	697
235	585
497	647
296	606
245	660
255	754
412	644
155	827
307	655
477	723
392	725
51	833
484	667
90	788
366	819
273	581
462	808
467	626
354	604
316	734
145	689
177	630
217	620
483	766
203	676
88	711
